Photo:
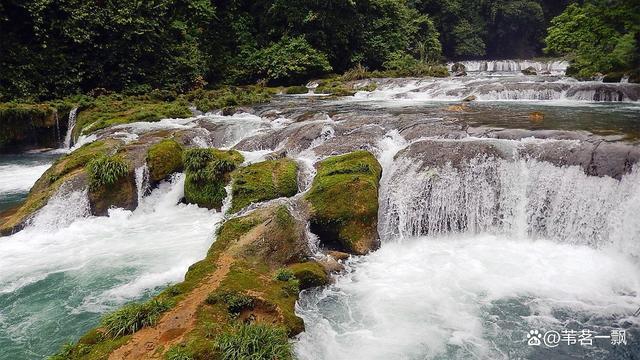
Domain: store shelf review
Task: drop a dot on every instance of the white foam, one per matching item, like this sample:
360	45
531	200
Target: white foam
431	297
19	178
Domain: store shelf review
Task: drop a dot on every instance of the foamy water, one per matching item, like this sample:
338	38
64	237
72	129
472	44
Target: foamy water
62	275
20	178
465	297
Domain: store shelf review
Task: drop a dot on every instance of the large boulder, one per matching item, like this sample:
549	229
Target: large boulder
458	69
344	202
164	159
530	71
263	181
111	184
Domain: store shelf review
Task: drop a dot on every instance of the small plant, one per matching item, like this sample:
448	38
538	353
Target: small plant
291	288
106	170
283	274
357	72
133	317
178	352
235	301
254	341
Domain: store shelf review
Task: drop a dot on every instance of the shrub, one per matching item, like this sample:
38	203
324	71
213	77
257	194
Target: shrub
254	341
234	300
283	274
291	287
106	170
133	317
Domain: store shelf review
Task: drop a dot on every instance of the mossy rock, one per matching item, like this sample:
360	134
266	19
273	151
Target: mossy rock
112	110
164	159
24	126
344	199
310	274
263	181
613	77
68	169
207	172
296	90
121	194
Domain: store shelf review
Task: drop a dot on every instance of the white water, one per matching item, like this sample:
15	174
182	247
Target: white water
455	298
555	66
20	177
507	88
474	258
92	264
68	138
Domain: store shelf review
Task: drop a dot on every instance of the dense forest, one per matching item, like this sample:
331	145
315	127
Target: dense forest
55	48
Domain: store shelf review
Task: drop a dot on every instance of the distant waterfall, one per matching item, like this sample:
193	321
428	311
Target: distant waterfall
68	139
556	66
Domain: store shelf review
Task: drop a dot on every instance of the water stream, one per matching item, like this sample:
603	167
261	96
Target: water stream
476	250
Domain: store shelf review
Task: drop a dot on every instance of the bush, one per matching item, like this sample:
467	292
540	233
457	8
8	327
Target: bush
234	300
106	170
254	341
283	274
133	317
290	60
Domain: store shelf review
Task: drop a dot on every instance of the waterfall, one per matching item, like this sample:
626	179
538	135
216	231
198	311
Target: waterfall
502	88
65	207
524	198
142	182
68	139
556	66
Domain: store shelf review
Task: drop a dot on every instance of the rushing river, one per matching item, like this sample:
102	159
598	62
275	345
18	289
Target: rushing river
474	255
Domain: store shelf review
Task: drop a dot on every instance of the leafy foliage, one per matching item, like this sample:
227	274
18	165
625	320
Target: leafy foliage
597	36
254	341
133	317
206	174
283	274
106	170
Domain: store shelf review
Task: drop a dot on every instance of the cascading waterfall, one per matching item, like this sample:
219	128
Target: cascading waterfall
68	138
477	254
557	66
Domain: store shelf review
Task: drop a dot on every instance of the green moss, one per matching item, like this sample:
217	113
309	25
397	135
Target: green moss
111	110
207	172
235	301
309	274
164	159
293	90
24	123
344	197
229	96
264	181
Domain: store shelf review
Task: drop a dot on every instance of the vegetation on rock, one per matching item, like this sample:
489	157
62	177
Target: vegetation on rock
105	171
207	172
262	181
164	159
64	170
110	110
247	313
344	198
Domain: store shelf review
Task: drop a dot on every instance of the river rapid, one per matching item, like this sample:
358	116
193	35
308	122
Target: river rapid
493	224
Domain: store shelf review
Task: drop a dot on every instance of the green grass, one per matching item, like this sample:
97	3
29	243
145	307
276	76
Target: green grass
255	342
295	90
263	181
133	317
164	159
105	170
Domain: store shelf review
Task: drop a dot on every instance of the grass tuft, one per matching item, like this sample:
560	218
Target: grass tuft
254	341
106	170
133	317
